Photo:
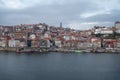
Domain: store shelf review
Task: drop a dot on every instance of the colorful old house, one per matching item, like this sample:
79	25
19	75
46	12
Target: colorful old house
109	43
96	42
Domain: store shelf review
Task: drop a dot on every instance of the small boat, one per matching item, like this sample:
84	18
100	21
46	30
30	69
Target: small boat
22	50
78	51
100	51
25	51
86	51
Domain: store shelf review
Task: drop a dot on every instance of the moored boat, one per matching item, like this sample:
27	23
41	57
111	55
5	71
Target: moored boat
22	50
78	51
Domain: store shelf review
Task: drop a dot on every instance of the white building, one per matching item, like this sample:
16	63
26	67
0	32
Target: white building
66	37
14	43
85	45
2	43
11	43
58	43
48	43
73	38
107	31
46	35
117	25
103	30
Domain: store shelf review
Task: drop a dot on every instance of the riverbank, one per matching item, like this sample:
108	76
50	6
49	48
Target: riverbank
41	50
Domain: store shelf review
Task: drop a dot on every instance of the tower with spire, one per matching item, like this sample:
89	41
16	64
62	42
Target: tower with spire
61	24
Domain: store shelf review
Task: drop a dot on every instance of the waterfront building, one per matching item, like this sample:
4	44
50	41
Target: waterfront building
118	43
103	30
109	43
96	42
2	43
11	43
42	35
117	29
117	25
43	43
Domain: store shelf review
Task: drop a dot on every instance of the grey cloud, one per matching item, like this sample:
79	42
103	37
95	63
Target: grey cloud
55	13
112	17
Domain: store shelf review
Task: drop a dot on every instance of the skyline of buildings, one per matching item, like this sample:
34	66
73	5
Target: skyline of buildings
43	35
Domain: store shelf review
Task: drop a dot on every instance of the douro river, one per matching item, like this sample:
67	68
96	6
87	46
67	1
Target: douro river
59	66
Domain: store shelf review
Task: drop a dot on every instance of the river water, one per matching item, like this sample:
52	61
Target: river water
59	66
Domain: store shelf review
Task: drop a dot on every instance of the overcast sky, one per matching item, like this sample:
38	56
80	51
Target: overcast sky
77	14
